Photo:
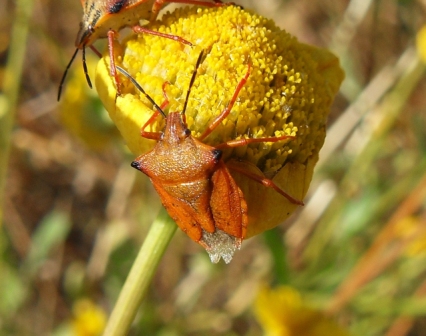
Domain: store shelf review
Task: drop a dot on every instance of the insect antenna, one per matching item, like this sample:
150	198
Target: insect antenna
200	57
85	68
65	73
135	83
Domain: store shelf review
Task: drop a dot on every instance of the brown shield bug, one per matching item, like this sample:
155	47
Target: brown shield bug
194	182
105	18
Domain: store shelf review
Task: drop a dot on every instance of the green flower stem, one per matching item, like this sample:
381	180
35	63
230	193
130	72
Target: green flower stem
274	241
140	275
11	84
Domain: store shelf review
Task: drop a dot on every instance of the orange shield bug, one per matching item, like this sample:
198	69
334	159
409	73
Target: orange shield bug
193	181
104	18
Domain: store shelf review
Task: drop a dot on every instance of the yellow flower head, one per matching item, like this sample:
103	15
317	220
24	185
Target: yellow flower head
89	319
282	312
289	92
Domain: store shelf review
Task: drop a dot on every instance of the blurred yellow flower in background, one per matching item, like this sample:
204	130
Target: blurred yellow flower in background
82	114
283	312
421	43
412	231
89	319
289	92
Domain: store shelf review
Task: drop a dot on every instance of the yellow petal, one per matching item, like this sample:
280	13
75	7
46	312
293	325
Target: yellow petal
282	312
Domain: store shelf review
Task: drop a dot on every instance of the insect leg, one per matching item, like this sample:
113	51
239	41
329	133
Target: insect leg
96	51
151	135
113	71
140	29
264	181
243	142
166	99
228	108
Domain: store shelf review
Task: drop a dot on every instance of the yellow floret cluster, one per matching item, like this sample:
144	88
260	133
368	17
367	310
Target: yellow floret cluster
283	311
289	92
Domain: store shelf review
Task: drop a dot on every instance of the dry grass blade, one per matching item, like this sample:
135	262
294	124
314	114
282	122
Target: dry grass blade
385	250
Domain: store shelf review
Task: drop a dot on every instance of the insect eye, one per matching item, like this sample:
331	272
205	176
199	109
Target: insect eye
217	153
187	132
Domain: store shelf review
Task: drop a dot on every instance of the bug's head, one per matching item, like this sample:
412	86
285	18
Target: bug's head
93	11
176	131
85	35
